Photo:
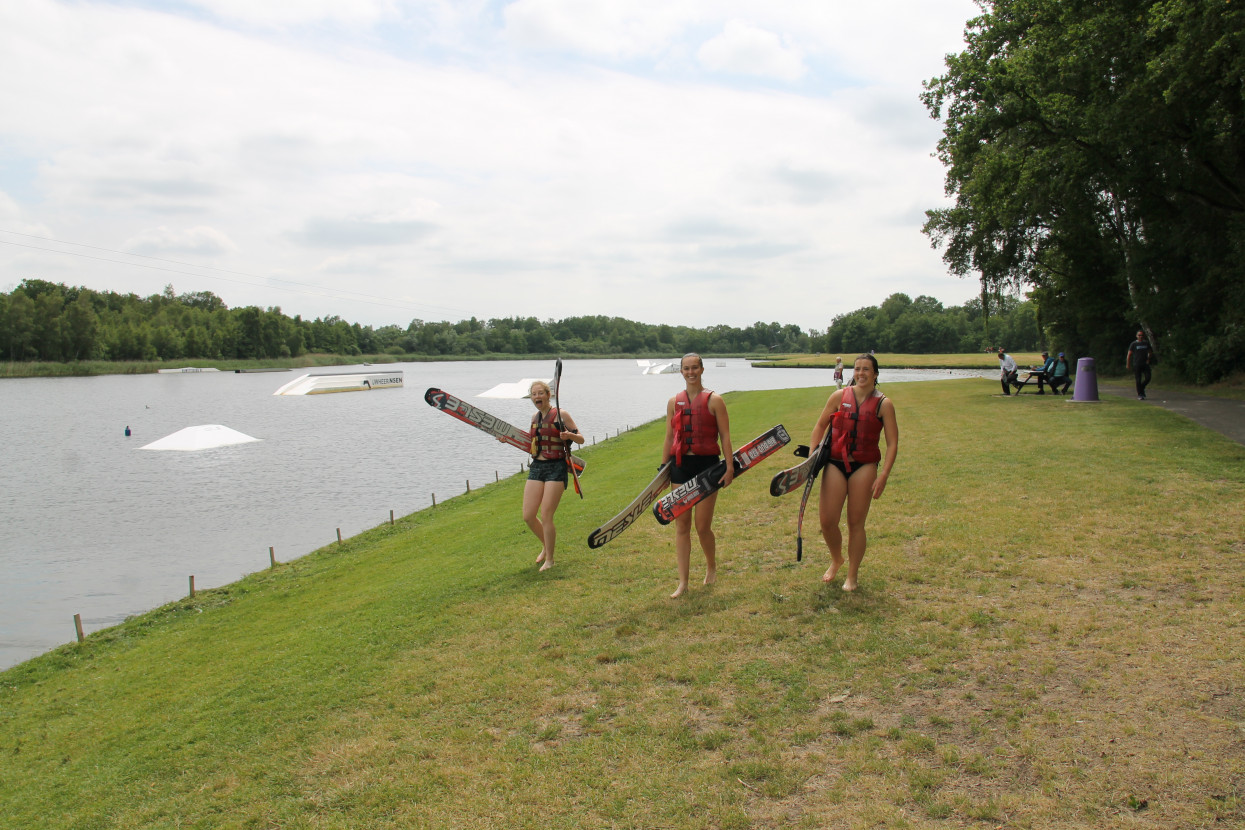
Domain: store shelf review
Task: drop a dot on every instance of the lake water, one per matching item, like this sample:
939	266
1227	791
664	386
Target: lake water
93	526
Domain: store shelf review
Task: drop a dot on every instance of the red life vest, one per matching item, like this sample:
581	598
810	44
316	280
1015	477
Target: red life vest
857	429
695	427
546	437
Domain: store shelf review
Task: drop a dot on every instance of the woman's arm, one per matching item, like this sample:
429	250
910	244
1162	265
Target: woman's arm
823	420
571	433
718	408
891	429
667	449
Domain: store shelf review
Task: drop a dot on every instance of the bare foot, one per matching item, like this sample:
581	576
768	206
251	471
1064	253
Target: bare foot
850	585
711	577
678	592
548	564
540	558
835	564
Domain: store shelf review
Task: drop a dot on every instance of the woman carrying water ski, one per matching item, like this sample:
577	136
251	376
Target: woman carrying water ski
546	477
698	433
858	415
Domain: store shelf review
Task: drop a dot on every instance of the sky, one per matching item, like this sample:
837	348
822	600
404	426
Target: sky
688	162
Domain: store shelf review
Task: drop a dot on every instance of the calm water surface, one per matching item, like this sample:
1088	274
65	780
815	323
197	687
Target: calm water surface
93	526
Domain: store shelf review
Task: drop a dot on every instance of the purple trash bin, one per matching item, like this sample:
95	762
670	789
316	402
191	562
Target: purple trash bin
1086	390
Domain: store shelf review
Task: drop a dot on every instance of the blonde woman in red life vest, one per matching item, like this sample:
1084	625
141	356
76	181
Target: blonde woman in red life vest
859	415
698	435
546	477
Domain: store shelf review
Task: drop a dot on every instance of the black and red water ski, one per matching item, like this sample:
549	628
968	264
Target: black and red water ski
687	495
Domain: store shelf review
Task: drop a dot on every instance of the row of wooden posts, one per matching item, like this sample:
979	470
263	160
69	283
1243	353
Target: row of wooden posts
272	556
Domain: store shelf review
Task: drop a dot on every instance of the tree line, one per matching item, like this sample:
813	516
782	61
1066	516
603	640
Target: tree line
1095	150
45	321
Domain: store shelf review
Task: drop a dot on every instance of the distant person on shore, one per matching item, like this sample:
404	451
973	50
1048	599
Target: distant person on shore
858	415
698	434
1060	375
546	476
838	373
1139	357
1007	371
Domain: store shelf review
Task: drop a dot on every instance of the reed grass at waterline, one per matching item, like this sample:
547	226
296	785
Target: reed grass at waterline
1047	635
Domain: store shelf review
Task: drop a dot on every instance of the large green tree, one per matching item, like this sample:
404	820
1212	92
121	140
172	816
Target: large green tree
1095	150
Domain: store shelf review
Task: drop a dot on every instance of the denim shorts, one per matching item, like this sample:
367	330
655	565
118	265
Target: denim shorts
548	470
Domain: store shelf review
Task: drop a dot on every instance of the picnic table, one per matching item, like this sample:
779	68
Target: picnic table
1033	376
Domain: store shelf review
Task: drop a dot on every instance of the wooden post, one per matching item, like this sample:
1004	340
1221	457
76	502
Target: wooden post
391	518
339	535
77	624
434	499
468	485
496	476
272	557
192	586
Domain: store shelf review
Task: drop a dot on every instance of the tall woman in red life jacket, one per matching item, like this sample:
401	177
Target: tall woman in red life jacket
546	477
698	433
858	414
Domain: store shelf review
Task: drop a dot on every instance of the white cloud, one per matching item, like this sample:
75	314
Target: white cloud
743	49
407	164
295	12
196	241
609	28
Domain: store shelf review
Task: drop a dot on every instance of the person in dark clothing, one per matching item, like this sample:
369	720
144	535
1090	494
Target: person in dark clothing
1140	355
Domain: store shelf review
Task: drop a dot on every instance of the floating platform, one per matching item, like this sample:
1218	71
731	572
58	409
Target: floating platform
186	370
518	389
345	382
652	367
205	437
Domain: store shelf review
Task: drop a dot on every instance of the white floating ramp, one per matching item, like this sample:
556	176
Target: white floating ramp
516	390
186	370
652	367
346	382
205	437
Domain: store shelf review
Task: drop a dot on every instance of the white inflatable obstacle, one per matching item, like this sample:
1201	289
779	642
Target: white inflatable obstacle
205	437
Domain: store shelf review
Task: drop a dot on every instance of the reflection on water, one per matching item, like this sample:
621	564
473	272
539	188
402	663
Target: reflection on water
93	526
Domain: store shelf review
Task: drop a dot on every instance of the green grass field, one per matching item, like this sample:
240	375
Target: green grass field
1048	635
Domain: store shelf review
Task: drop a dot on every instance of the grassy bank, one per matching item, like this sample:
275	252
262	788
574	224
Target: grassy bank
1048	635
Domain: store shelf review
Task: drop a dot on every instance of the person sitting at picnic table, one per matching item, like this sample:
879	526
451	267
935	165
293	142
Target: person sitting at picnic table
1059	375
1043	372
1008	371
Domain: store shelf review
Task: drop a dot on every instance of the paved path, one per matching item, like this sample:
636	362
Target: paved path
1223	415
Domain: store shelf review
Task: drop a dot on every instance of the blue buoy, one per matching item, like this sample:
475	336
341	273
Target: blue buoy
127	432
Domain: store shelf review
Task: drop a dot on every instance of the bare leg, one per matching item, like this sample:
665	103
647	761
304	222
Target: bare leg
533	492
548	506
683	551
708	541
830	510
859	500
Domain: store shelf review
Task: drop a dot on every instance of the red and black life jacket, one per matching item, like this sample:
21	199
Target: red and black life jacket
695	427
857	428
546	437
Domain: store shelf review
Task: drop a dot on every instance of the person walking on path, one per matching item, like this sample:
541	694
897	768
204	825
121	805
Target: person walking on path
698	432
838	372
546	477
858	415
1138	358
